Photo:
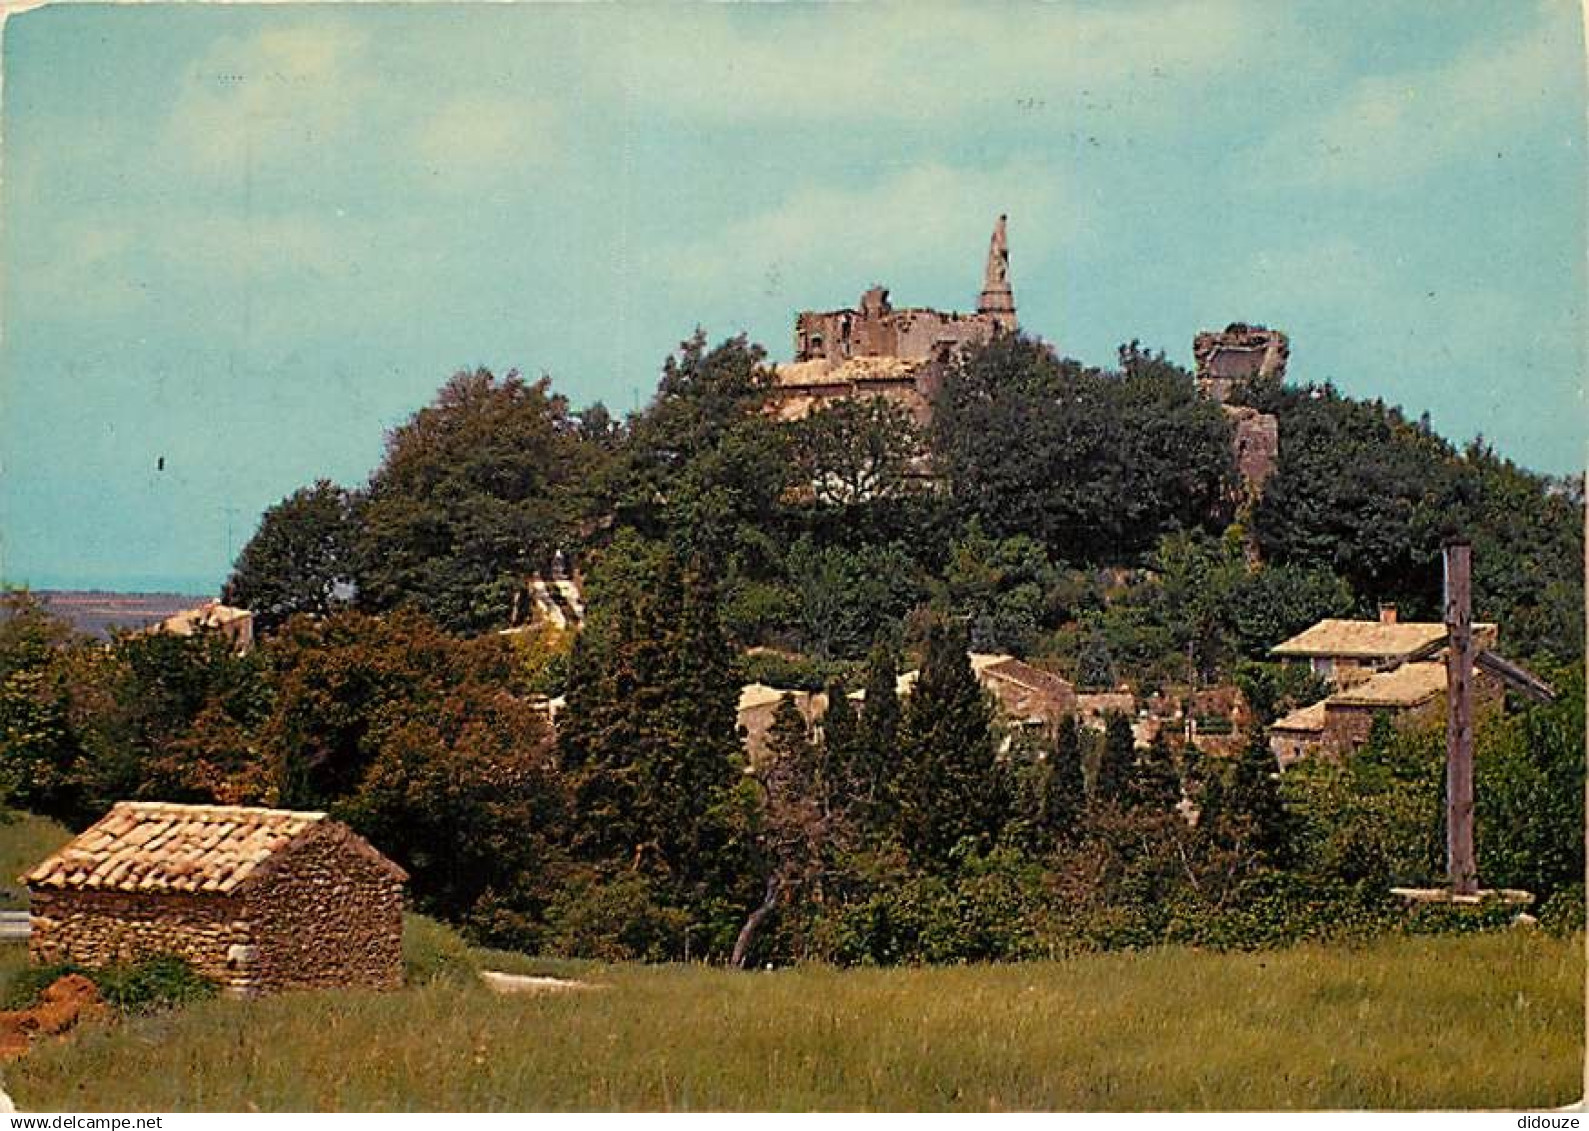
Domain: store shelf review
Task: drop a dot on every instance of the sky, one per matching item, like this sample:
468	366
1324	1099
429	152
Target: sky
248	240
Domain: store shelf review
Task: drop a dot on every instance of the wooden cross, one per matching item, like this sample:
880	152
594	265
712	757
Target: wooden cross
1460	863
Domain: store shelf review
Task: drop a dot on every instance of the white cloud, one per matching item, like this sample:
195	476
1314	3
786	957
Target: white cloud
1388	129
903	226
480	138
895	62
272	96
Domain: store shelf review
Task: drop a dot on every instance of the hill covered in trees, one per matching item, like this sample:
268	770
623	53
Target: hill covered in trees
1065	511
1088	520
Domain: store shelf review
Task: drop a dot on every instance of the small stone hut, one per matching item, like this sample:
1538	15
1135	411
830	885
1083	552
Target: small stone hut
257	899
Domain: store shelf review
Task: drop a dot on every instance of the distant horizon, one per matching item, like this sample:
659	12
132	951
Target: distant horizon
244	241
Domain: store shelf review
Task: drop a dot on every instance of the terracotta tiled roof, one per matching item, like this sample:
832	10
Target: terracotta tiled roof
1367	639
1309	718
211	614
1406	686
1019	672
754	695
160	847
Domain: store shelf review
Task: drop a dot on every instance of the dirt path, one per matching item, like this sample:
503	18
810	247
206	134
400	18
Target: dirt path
532	984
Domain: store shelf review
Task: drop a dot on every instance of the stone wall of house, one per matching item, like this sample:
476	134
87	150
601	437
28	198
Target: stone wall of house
1291	746
1347	726
325	915
109	928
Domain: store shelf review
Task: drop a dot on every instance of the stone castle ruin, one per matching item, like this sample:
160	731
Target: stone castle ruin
1226	361
1229	358
901	354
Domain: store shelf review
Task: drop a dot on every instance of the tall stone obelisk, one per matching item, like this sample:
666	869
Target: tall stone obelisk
997	299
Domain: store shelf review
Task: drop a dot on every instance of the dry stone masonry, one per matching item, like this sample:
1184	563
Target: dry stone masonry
257	899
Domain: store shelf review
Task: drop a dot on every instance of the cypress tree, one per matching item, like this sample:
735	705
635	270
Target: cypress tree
1154	783
649	736
1116	763
839	772
1064	788
877	740
1252	802
950	787
790	768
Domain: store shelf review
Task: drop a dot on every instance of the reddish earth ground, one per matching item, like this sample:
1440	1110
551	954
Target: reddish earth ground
65	1002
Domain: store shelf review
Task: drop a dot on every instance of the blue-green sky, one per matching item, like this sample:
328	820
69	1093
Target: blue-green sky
249	239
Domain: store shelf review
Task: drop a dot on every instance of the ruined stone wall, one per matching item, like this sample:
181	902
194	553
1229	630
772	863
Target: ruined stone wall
110	928
1238	354
875	329
1256	442
326	915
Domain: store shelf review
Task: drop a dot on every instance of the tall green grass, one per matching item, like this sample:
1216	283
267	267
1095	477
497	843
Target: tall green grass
25	840
1480	1021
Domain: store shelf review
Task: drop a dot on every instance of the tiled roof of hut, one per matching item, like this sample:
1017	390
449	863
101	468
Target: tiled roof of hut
151	846
1406	686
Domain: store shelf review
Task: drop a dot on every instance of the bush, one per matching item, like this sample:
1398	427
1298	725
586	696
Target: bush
986	912
162	982
434	952
27	984
1563	913
620	919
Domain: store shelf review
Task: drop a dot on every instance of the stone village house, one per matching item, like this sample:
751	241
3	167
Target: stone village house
257	899
1385	667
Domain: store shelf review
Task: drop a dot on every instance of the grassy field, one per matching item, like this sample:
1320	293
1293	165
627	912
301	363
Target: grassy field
1483	1021
25	840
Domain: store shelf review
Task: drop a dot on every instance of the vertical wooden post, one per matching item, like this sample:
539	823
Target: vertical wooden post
1460	863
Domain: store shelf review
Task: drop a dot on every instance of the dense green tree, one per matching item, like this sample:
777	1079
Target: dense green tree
467	798
1115	763
847	596
649	734
1001	587
41	750
171	720
1360	491
950	787
1529	793
1248	810
1096	466
1063	783
475	492
1154	783
857	451
300	560
843	776
877	743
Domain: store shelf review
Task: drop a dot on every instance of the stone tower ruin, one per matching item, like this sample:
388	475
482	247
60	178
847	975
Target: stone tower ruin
877	349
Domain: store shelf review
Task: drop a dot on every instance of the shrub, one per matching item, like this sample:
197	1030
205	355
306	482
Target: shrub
28	983
1563	913
619	919
162	982
434	952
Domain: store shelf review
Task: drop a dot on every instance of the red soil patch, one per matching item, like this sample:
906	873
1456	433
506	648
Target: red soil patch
66	1001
